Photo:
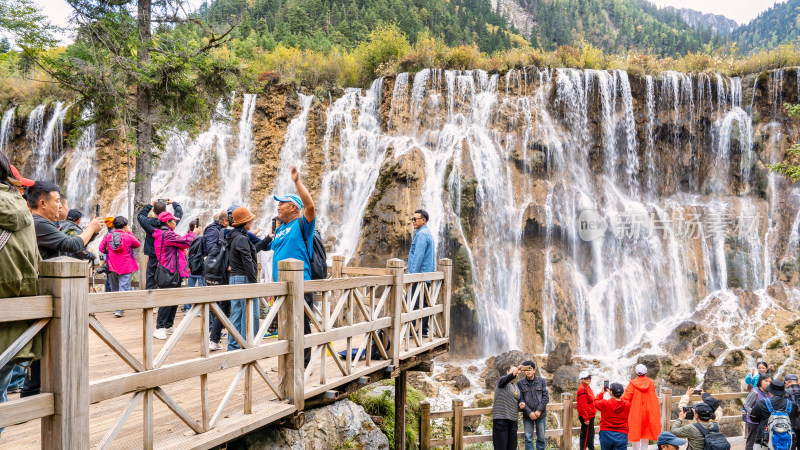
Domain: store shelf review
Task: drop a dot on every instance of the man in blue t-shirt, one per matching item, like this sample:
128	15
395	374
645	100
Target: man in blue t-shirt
295	238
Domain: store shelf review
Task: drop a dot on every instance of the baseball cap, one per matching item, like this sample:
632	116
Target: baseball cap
289	198
22	180
790	377
667	438
74	214
703	411
165	217
584	375
641	369
616	389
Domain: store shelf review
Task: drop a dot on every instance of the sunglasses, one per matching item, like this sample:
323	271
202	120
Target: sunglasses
414	219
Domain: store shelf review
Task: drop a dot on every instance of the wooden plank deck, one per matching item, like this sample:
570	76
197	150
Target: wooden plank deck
169	430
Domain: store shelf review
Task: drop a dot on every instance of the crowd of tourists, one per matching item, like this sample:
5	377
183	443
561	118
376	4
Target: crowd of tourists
36	223
632	414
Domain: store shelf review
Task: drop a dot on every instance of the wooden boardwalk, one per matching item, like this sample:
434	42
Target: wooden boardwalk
175	393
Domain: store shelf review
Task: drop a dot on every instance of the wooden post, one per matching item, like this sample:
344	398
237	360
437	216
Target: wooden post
566	421
425	426
458	424
394	306
65	363
400	411
290	326
336	272
446	266
142	260
666	407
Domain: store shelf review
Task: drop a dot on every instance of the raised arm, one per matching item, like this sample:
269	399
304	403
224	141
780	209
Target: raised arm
309	209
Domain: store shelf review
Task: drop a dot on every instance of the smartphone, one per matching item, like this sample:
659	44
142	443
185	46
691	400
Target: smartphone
605	384
525	368
696	392
163	200
274	224
197	222
97	210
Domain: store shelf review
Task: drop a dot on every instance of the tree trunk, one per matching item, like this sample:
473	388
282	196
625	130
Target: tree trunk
144	120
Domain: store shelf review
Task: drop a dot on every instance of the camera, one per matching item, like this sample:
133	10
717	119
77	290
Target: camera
689	412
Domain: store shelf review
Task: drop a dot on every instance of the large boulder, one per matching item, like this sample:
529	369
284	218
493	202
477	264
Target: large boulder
461	383
721	379
565	379
560	356
682	376
339	425
656	364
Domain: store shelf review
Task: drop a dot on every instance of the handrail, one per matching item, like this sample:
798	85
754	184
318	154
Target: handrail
458	412
363	311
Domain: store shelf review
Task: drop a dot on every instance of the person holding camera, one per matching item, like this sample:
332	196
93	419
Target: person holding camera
505	411
536	398
614	412
758	393
684	428
169	247
149	224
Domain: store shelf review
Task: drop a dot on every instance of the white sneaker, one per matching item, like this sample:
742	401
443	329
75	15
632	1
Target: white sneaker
160	333
170	330
119	313
214	346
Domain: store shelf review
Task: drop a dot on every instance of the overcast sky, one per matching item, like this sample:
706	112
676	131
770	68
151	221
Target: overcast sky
741	11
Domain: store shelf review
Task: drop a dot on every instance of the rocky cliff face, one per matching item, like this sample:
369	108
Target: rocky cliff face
672	166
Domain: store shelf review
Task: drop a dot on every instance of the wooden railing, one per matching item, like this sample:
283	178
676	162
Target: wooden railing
355	313
565	416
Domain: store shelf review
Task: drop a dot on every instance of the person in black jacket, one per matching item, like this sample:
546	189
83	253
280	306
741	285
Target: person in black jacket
148	225
534	415
760	412
243	264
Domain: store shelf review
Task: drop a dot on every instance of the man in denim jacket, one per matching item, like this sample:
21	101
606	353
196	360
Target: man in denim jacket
536	398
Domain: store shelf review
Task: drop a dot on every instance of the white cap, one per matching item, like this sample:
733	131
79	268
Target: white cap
584	374
641	369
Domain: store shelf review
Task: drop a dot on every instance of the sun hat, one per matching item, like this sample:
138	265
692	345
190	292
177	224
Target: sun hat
289	198
164	217
242	215
777	388
641	369
667	438
22	180
583	375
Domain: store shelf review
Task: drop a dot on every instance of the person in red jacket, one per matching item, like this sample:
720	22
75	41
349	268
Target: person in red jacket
645	423
586	410
613	418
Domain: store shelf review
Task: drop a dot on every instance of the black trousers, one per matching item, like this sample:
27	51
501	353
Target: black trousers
504	434
216	324
32	385
152	263
587	434
752	430
166	314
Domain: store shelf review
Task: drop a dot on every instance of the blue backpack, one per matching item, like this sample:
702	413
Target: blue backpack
779	427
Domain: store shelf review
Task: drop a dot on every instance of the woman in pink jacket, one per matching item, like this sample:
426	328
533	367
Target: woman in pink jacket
118	245
170	249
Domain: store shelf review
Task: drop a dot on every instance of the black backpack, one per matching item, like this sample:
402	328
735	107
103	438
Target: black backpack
714	440
217	263
197	256
319	260
375	351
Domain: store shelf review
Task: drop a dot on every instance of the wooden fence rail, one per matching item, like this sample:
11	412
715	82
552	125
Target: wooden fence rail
369	310
457	414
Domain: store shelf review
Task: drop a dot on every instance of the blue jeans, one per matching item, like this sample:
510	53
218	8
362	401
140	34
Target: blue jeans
5	378
119	282
194	280
613	440
538	426
238	316
18	376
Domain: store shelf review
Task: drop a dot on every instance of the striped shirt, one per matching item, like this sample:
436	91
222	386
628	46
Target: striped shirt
506	399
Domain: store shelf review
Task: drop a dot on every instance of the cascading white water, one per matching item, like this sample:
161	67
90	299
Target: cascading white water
352	167
235	185
49	141
81	188
6	127
292	153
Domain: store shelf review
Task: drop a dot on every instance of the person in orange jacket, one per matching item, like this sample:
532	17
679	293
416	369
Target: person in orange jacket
586	410
644	420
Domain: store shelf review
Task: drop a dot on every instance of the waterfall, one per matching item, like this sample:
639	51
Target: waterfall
48	141
81	187
650	149
6	127
292	153
235	184
352	169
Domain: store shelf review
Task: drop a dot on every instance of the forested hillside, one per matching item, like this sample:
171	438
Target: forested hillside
779	24
322	24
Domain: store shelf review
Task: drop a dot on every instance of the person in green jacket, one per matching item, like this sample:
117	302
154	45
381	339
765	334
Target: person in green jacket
19	258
